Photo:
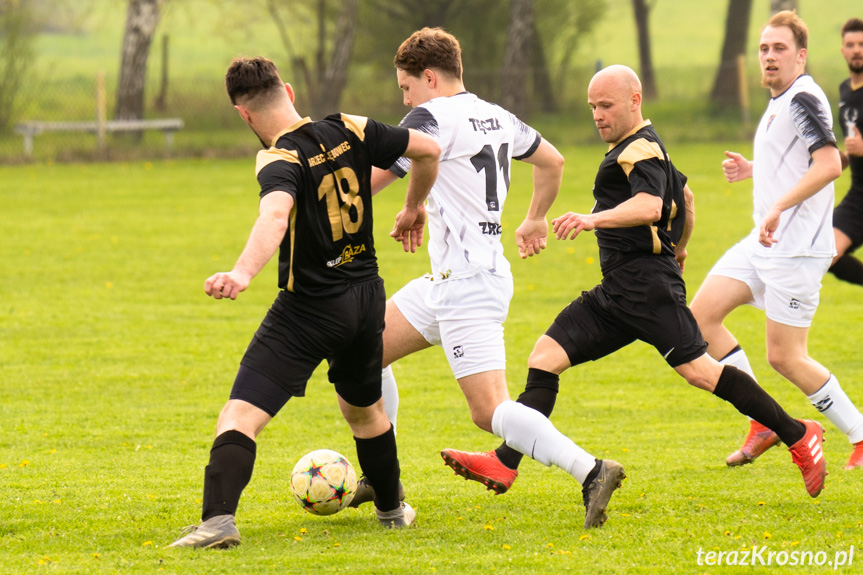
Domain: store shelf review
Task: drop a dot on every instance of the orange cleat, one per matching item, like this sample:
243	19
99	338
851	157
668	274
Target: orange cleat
809	457
759	440
856	459
483	467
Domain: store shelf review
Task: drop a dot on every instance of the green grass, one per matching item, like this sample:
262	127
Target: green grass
114	365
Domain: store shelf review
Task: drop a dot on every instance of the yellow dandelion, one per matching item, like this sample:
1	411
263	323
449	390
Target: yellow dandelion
303	530
767	535
336	545
109	285
507	547
298	538
146	543
589	260
583	537
2	466
793	543
761	503
625	450
24	463
624	514
549	545
839	535
488	528
727	533
56	502
96	556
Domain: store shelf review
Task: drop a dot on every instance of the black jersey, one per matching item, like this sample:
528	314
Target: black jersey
326	166
639	163
851	112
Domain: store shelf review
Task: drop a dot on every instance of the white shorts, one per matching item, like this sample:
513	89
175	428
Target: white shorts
464	316
787	289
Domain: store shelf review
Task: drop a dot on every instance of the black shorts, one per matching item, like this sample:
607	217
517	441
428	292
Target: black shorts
299	332
848	217
643	299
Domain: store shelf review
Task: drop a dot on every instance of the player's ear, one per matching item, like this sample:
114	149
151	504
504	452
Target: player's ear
244	113
430	77
290	90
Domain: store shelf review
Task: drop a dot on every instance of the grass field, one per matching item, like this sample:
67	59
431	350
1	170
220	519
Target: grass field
114	365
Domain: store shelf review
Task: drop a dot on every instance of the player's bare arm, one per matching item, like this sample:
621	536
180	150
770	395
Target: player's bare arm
826	167
736	168
532	234
680	252
641	209
424	152
266	236
854	143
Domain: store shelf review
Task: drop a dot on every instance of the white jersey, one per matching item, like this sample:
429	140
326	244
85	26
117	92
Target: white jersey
478	140
795	124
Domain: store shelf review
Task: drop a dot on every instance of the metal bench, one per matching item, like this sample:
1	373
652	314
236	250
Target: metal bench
31	129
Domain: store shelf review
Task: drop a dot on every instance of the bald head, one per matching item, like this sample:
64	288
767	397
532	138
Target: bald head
619	77
614	95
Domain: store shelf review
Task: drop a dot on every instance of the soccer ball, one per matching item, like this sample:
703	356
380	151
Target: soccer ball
323	482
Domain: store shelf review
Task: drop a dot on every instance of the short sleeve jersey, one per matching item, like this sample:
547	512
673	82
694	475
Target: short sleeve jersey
796	123
639	163
326	167
478	140
851	114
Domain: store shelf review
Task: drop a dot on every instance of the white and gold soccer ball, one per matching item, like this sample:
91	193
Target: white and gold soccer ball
323	482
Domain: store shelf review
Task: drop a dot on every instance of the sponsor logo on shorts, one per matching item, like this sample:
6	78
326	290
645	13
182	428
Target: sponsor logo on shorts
458	351
348	255
794	304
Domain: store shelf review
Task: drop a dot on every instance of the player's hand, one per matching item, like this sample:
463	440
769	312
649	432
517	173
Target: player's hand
768	227
531	237
680	255
573	223
736	168
226	284
854	143
408	228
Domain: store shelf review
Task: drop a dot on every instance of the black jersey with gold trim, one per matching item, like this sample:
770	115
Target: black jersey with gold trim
639	163
851	113
326	166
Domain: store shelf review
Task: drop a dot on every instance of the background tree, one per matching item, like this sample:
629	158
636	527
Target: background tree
727	91
642	23
517	58
17	35
142	17
780	5
324	73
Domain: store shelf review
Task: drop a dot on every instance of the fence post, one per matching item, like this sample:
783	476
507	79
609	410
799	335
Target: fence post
101	111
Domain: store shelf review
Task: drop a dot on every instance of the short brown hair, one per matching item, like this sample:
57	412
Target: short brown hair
852	25
430	48
790	20
249	78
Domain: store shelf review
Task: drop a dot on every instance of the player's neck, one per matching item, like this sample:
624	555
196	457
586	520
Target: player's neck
856	80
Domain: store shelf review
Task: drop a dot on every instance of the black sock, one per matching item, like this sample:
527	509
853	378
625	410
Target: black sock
232	459
849	269
740	390
540	393
379	462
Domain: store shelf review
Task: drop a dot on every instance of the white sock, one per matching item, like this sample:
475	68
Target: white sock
530	432
739	360
835	405
390	393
